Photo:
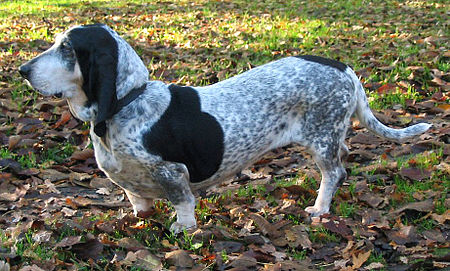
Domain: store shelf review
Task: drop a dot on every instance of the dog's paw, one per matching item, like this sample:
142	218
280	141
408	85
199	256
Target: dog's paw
177	227
315	211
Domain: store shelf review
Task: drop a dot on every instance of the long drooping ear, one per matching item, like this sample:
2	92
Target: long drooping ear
104	70
97	55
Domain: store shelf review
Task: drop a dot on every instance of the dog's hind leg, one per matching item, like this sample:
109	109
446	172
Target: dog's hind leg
327	157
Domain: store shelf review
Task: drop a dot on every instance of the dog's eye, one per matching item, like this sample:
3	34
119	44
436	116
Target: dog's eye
65	46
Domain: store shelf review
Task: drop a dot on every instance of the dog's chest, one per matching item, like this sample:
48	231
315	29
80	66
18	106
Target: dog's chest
127	172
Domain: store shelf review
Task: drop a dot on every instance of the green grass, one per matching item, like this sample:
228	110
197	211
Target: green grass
440	252
298	255
25	161
388	100
57	154
346	209
376	258
322	235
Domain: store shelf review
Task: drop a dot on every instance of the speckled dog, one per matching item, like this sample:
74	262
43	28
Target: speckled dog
156	140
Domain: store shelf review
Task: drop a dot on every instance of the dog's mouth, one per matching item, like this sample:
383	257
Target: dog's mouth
57	94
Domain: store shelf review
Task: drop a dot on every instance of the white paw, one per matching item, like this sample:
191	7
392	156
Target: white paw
177	227
315	211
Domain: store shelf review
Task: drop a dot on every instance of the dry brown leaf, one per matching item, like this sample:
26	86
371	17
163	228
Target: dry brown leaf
421	206
179	258
338	226
31	268
82	155
360	259
68	241
265	227
405	235
13	141
372	199
415	174
442	218
147	260
297	236
65	117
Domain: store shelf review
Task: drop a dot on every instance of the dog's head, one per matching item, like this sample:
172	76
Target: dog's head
92	67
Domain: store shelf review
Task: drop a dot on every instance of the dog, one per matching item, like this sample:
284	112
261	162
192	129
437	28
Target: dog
167	141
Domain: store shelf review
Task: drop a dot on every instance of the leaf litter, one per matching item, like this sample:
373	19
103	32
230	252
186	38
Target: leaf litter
59	212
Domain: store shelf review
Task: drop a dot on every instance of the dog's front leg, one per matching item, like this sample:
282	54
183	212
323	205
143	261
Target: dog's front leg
174	179
141	206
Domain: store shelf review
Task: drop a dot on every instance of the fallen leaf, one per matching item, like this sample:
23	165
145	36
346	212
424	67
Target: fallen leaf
360	259
10	163
147	260
338	226
265	227
291	266
179	258
130	244
372	199
297	236
51	187
91	249
434	235
31	268
374	266
421	206
406	235
42	236
244	261
103	191
65	117
228	246
13	141
445	107
82	155
68	241
415	174
442	218
387	88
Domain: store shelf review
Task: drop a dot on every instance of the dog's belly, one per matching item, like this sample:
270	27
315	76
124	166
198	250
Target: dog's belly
243	147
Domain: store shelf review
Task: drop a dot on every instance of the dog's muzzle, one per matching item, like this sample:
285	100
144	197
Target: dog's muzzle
24	70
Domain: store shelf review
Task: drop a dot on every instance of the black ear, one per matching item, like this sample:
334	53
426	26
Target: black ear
104	71
97	55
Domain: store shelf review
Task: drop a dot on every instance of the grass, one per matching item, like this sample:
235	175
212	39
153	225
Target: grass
298	255
57	154
346	209
388	100
321	235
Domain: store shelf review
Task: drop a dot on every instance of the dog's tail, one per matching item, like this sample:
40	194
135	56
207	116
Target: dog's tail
367	118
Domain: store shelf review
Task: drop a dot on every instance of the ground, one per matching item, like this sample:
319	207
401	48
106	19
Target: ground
59	212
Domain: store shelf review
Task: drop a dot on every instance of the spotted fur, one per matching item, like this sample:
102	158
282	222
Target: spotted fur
171	141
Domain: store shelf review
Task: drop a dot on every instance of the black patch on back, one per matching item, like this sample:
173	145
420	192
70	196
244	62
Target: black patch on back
325	61
187	135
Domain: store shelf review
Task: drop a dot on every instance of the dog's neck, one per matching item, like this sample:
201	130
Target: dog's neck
130	97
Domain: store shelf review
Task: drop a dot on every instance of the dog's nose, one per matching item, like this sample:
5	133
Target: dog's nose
24	70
